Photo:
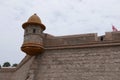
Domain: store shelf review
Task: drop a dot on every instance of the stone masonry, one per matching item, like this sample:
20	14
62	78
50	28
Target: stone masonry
98	60
72	57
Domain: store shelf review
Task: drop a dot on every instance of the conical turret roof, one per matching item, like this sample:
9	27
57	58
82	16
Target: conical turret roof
34	19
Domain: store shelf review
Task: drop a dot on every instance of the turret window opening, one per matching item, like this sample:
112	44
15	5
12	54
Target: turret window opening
34	30
101	38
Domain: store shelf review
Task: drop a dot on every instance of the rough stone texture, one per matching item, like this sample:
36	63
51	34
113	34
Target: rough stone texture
114	36
72	57
70	40
76	57
22	71
101	63
32	34
5	74
19	73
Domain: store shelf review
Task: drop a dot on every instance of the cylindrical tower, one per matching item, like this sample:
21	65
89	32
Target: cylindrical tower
33	39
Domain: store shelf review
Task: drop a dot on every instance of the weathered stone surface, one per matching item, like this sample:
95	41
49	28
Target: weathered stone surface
99	60
87	63
72	57
80	64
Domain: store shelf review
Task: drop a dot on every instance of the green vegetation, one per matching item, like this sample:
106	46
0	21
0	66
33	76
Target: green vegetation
7	64
14	65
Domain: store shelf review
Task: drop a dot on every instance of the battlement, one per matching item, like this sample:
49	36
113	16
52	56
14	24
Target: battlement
82	40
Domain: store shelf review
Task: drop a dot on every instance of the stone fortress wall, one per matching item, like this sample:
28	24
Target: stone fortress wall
81	39
75	57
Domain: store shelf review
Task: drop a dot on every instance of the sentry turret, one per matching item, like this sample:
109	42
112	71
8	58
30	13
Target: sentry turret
33	39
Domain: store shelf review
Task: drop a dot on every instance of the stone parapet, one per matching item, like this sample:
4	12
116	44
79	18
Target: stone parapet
112	36
82	40
71	40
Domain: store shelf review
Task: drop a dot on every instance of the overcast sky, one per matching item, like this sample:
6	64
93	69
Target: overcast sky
61	17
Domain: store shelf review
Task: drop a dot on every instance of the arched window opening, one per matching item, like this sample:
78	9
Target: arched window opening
101	38
34	30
